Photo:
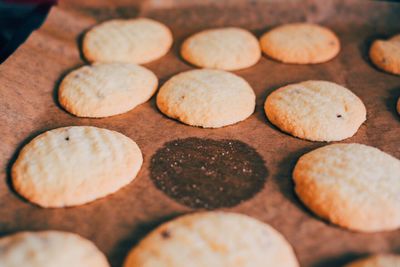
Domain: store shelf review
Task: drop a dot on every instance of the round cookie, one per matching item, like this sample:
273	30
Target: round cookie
385	54
300	43
222	48
316	111
352	185
49	249
380	260
213	239
106	89
136	41
206	98
75	165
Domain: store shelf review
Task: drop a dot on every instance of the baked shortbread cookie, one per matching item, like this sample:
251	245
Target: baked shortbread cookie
49	249
352	185
385	54
398	105
136	41
300	43
316	111
106	89
222	48
206	98
75	165
213	239
380	260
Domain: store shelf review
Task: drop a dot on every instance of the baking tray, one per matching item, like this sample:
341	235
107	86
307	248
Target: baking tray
28	106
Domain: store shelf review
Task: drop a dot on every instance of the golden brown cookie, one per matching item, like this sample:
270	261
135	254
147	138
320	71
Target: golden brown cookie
136	41
222	48
213	239
207	98
385	54
72	166
49	249
380	260
300	43
352	185
316	111
398	105
106	89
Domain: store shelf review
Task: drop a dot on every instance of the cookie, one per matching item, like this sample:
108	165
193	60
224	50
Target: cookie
385	54
398	105
316	111
75	165
136	41
49	249
300	43
223	48
213	239
380	260
106	89
206	98
352	185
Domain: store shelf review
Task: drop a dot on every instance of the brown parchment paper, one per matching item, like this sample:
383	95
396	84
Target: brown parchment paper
28	106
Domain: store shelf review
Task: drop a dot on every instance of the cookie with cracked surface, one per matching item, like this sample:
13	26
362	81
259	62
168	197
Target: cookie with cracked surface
316	111
351	185
49	249
213	239
385	54
300	43
206	98
380	260
75	165
106	89
223	48
136	41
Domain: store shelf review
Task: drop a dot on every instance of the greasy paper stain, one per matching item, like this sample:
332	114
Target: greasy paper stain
207	173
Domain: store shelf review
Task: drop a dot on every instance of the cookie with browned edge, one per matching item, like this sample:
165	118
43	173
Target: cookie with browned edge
207	98
380	260
136	41
351	185
300	43
316	110
106	89
72	166
213	239
222	48
385	54
49	249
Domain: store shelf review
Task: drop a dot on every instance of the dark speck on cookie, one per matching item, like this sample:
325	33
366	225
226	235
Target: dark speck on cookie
165	234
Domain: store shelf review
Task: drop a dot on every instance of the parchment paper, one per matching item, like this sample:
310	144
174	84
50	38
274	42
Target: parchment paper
28	86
